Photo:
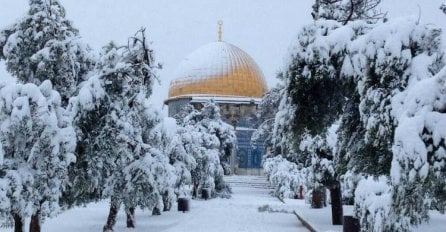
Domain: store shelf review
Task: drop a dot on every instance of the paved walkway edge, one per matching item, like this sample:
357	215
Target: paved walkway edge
304	222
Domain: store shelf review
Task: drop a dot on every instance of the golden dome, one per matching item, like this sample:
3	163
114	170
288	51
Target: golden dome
218	69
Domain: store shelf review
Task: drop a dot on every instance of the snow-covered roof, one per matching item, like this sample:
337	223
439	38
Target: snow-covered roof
218	69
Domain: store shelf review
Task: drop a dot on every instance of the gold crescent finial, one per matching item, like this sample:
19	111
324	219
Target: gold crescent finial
220	24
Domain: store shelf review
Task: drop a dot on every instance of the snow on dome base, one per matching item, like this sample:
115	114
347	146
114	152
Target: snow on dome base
218	69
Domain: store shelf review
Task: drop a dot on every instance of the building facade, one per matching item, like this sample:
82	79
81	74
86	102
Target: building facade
228	75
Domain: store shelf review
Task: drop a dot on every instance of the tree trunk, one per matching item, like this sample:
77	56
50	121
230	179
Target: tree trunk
34	225
336	205
18	223
195	190
130	217
317	198
111	219
167	204
156	211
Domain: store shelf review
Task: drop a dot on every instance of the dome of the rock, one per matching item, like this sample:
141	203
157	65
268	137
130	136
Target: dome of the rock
225	74
218	69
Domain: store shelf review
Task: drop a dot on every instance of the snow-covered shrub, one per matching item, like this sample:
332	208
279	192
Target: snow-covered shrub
286	177
373	200
349	183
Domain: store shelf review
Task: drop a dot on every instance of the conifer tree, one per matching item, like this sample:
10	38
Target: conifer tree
171	137
210	141
37	145
387	61
268	108
316	91
44	45
116	157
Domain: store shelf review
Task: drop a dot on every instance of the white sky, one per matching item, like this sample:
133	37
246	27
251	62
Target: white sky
262	28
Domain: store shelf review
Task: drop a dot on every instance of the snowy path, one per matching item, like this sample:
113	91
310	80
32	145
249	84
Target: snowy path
239	213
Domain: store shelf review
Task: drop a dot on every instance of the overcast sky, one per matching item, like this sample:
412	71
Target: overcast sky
262	28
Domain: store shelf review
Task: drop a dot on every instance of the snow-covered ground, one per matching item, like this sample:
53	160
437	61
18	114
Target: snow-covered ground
239	213
320	219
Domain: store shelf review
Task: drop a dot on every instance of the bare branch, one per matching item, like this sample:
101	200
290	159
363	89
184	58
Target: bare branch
345	11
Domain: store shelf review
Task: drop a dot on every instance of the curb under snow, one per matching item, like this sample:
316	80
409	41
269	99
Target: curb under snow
305	222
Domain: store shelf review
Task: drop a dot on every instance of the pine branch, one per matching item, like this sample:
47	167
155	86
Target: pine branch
443	8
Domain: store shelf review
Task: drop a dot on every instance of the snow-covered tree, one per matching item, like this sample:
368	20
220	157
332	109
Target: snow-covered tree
44	45
315	94
419	151
350	146
192	138
171	137
282	129
91	119
37	144
224	132
117	158
388	60
268	108
371	67
443	7
210	141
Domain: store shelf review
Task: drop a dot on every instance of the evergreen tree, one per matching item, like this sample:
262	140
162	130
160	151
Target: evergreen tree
171	137
210	141
316	91
44	45
224	132
268	108
419	148
388	60
193	142
282	129
37	144
116	157
90	110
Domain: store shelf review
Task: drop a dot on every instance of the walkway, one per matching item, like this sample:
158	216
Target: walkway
238	214
241	212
